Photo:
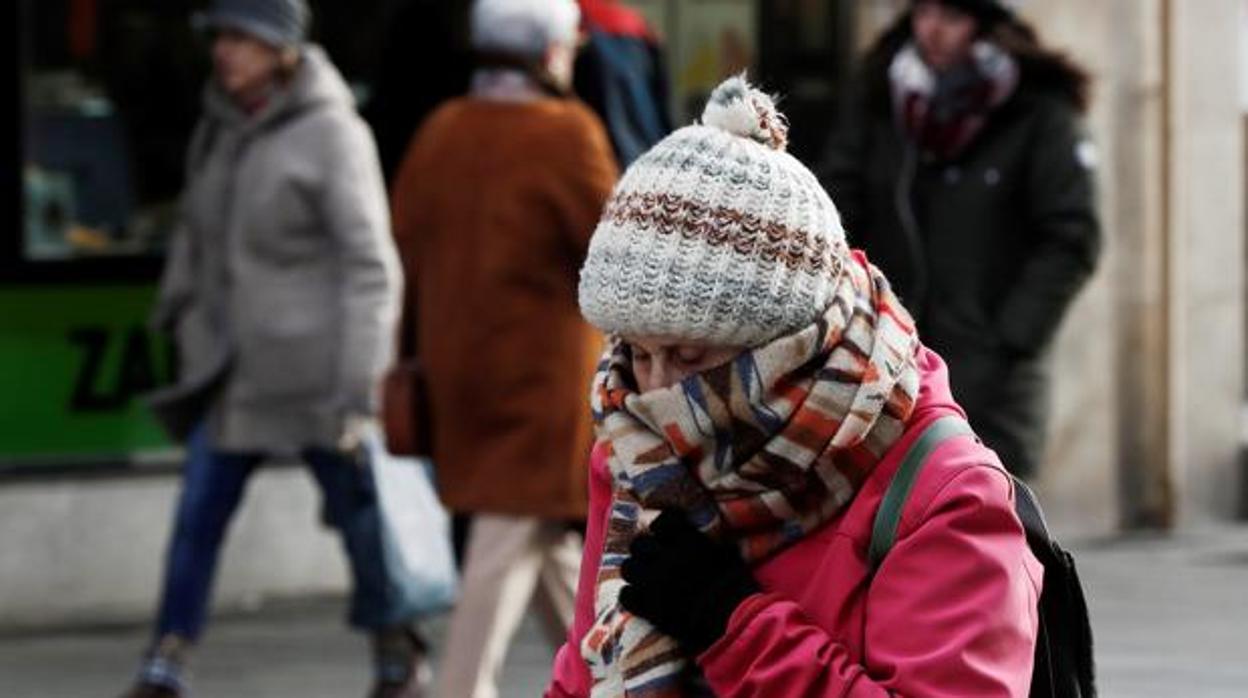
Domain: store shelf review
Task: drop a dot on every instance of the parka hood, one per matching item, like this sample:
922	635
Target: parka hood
1042	70
316	84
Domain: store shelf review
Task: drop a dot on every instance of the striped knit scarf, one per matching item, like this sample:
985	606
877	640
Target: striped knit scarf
761	451
944	112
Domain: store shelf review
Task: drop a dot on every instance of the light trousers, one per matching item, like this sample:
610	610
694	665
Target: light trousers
509	562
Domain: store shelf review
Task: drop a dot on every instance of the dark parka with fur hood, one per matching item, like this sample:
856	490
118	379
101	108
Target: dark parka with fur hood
987	248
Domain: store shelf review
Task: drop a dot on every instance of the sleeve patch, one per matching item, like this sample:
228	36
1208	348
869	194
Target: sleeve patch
1086	154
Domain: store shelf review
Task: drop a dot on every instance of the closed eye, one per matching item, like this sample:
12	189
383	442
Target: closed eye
690	356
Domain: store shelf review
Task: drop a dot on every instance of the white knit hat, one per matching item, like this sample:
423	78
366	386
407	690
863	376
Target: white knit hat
716	234
523	27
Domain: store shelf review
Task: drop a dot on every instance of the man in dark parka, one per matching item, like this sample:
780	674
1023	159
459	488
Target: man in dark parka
961	168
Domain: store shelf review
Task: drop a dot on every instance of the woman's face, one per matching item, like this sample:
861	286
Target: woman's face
662	363
244	65
944	34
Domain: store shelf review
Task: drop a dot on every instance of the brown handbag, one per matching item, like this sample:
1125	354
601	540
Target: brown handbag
405	402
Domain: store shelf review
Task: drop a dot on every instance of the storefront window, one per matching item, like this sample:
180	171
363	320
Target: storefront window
109	91
705	41
798	49
110	95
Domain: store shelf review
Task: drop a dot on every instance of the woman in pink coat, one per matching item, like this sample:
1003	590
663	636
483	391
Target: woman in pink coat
761	387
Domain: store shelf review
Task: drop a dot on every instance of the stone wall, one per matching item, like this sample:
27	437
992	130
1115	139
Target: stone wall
91	551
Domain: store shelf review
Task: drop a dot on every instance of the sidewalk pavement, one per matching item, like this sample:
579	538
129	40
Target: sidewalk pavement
1170	616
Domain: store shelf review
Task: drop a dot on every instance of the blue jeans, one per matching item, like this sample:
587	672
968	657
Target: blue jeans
213	485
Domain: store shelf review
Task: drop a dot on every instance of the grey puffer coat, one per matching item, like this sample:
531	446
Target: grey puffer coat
282	285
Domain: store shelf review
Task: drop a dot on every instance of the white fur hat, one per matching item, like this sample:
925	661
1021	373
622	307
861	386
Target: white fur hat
716	234
523	27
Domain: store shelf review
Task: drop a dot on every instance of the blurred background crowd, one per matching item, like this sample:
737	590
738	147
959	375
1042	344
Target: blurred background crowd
1112	243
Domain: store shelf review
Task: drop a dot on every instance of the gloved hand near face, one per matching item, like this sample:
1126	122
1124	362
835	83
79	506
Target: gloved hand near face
683	582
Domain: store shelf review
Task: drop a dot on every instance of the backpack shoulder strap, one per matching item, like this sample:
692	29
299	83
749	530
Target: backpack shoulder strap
1065	665
888	517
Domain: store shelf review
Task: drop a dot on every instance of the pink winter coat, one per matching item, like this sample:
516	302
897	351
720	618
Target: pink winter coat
952	610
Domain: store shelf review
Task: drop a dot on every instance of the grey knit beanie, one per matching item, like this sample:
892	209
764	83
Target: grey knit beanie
280	23
716	234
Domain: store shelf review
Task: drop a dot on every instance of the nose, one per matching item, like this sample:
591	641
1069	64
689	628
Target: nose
662	373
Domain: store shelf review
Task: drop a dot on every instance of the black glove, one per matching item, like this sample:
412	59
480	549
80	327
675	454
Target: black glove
683	582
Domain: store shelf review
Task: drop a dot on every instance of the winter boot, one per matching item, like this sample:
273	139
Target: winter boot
163	673
401	658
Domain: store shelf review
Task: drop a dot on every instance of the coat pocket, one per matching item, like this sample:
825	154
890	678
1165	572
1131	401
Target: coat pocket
287	367
288	347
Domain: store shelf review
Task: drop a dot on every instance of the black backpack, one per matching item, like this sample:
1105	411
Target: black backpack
1063	662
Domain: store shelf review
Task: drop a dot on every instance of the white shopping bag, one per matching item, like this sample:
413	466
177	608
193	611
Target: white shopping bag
416	530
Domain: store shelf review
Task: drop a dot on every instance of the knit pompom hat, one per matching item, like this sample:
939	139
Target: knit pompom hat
716	235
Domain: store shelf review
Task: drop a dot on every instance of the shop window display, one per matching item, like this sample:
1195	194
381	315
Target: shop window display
110	95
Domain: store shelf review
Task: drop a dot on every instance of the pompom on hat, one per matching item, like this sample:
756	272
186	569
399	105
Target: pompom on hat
716	235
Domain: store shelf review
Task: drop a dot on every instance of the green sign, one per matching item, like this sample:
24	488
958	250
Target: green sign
73	362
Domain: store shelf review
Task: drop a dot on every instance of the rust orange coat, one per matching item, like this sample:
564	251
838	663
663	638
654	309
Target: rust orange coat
493	208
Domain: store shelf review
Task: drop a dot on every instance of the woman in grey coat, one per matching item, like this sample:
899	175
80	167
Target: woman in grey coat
282	290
